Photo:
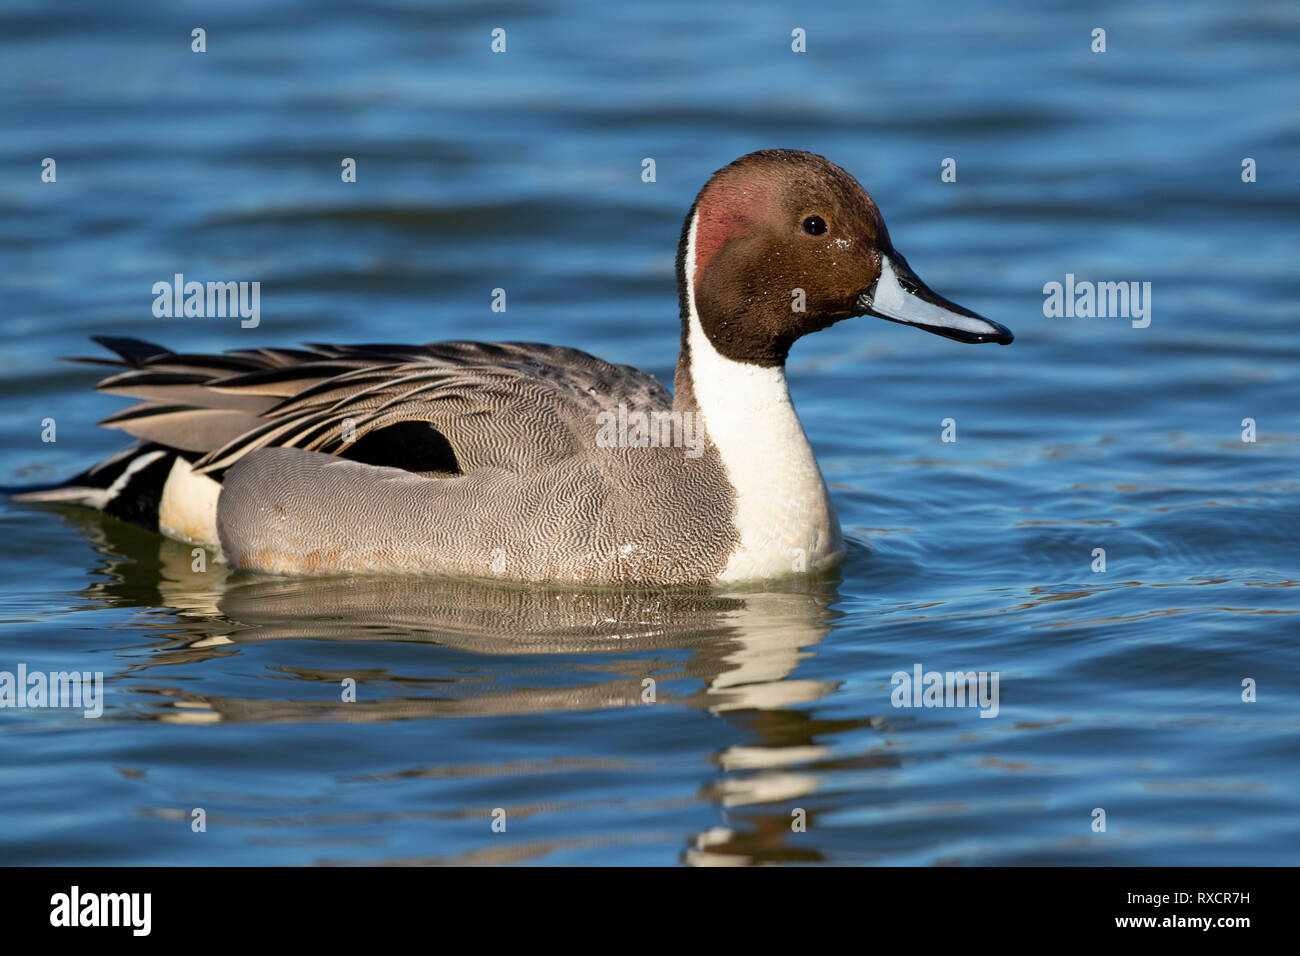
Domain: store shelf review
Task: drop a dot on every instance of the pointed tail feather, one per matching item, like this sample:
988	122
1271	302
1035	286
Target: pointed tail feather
128	486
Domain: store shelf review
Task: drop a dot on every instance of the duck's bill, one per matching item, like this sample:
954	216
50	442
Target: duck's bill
900	296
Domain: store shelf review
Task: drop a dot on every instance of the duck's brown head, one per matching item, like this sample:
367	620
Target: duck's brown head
782	243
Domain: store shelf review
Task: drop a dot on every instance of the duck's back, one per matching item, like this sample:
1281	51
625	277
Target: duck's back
466	458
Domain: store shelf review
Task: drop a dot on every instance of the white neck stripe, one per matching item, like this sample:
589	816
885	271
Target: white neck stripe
783	512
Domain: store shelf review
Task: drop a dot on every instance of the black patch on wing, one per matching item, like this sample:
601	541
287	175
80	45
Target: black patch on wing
413	446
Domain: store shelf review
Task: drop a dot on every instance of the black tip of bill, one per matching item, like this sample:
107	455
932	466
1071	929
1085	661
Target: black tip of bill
900	296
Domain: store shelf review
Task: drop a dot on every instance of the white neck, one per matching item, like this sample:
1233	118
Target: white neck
784	514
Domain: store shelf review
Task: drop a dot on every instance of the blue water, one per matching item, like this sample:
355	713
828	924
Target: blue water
1119	690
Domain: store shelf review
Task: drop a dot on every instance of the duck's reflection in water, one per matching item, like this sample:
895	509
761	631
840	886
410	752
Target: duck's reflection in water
734	654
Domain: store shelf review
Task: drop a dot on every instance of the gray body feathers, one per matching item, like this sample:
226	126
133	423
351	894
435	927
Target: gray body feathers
456	458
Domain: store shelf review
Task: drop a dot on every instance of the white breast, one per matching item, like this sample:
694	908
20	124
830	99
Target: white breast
784	514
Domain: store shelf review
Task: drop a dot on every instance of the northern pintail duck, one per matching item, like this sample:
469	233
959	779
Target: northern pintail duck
531	462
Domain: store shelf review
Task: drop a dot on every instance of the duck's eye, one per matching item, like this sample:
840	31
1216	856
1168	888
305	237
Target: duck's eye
814	225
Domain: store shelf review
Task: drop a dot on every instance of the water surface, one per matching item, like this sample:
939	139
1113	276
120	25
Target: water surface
1120	690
